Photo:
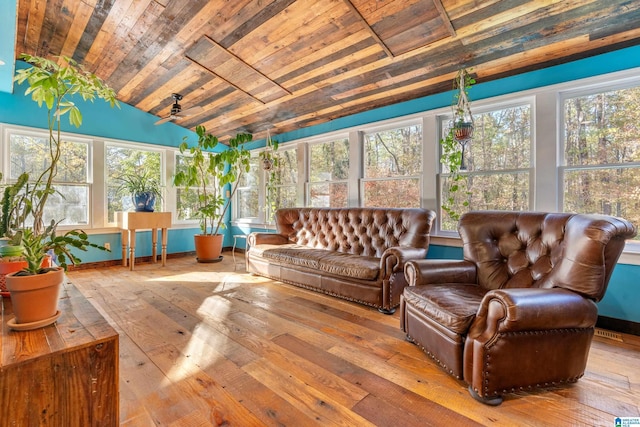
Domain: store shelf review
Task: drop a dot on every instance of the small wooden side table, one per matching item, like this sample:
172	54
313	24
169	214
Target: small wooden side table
129	222
64	374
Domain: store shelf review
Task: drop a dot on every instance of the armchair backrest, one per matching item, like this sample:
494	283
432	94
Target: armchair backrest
544	250
361	231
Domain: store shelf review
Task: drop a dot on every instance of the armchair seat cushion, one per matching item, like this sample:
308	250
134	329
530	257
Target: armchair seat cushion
332	262
452	305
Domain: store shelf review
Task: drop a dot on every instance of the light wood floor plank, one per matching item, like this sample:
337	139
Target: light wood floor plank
208	345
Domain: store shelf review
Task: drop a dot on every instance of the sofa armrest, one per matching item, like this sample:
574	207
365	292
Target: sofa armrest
257	238
531	309
427	271
393	259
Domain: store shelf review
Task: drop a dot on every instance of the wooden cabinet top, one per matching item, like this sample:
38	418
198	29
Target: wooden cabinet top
139	220
79	325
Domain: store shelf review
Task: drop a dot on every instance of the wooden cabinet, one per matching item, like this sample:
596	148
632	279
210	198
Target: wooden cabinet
129	222
65	374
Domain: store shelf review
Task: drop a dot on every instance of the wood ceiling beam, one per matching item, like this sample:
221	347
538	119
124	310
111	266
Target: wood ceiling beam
364	22
223	79
219	46
445	17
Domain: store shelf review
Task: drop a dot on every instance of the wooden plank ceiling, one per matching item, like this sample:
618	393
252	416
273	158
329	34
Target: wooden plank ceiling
289	64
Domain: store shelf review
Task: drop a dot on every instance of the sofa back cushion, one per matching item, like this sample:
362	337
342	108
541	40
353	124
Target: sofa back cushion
359	231
545	250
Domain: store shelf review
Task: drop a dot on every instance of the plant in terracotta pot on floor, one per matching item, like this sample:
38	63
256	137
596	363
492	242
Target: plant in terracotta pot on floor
55	86
209	175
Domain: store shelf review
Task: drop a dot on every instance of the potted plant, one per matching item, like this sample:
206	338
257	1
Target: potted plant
54	85
11	259
268	157
144	189
208	173
454	144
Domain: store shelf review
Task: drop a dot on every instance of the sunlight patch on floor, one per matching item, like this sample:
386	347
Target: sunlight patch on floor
206	345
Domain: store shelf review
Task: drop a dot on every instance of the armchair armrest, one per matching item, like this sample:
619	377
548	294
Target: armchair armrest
393	259
426	271
257	238
531	309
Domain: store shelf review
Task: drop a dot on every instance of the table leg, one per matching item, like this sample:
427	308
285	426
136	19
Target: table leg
154	244
164	246
125	242
132	249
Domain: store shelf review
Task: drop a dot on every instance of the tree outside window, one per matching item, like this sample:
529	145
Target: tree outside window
393	168
601	172
29	152
497	165
329	174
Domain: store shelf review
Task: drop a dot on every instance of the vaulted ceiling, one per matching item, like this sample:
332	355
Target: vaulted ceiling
249	65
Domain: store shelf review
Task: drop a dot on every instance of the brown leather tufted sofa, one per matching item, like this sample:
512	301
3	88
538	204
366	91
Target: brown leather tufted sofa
354	253
519	311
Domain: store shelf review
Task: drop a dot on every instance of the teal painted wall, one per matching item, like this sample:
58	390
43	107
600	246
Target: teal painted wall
131	124
99	119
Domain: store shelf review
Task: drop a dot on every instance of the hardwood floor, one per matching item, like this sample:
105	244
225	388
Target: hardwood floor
202	344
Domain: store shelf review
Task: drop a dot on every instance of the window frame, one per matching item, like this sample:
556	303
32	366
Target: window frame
479	108
9	129
594	88
261	195
389	125
133	146
309	183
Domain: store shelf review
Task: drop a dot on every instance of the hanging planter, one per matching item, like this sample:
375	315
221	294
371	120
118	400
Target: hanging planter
463	131
454	144
268	156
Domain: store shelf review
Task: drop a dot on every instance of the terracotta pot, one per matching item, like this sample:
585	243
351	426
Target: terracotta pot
463	131
35	298
7	267
208	248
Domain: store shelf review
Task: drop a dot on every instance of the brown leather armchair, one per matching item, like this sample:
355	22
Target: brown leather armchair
519	310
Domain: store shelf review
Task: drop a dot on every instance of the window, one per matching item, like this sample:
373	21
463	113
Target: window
247	201
601	171
496	164
284	182
186	199
329	173
28	152
121	160
393	168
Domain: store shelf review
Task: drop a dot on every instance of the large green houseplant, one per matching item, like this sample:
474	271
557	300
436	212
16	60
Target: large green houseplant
209	174
56	85
458	135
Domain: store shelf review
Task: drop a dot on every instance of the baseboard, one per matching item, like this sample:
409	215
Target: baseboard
618	325
114	262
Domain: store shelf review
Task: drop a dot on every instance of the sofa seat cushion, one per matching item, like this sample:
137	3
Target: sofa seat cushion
452	305
332	262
